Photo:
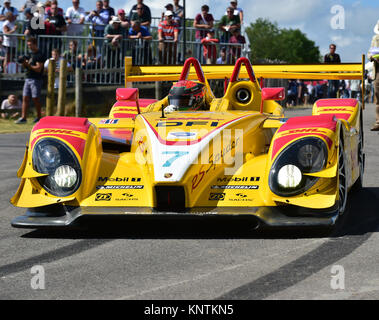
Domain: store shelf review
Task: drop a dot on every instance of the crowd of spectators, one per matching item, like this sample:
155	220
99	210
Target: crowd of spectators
300	92
215	41
95	40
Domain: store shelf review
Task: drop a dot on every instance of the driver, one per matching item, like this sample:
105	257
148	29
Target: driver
186	95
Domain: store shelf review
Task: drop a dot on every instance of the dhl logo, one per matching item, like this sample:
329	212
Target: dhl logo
307	130
58	131
336	109
52	131
124	109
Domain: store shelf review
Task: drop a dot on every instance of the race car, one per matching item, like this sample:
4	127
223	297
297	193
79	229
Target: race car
192	154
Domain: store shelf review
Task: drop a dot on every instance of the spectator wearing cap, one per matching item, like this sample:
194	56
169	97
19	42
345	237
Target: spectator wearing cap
170	7
235	51
202	22
168	31
114	36
228	23
209	47
123	18
237	11
6	7
141	15
146	13
141	51
107	7
75	17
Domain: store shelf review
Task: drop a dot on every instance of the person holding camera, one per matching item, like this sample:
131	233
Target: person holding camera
33	80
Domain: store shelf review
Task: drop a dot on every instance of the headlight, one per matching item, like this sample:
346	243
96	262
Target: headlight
65	176
289	176
306	155
55	158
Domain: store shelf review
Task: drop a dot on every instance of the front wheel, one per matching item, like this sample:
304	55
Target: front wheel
342	181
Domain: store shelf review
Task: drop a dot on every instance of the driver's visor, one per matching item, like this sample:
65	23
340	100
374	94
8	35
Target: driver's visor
182	103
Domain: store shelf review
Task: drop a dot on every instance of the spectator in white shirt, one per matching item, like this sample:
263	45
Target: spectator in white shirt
55	55
10	42
75	17
12	103
237	11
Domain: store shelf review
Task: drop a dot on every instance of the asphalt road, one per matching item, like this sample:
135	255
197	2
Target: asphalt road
177	260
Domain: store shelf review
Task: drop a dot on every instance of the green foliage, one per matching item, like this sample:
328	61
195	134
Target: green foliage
269	42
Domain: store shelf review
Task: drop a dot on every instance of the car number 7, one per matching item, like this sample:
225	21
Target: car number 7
176	155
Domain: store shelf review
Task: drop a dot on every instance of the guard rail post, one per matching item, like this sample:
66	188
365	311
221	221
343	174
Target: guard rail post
50	97
62	88
78	92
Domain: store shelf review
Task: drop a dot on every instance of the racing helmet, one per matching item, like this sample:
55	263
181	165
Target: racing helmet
187	95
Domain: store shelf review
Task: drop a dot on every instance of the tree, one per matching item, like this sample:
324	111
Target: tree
269	42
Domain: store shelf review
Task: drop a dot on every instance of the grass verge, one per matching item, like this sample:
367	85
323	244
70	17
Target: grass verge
8	126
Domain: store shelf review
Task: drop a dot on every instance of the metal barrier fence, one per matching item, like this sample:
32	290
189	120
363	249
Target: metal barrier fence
103	63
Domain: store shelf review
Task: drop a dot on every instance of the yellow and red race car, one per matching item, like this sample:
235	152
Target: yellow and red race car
193	154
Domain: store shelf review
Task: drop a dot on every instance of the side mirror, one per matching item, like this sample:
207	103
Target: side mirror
273	94
126	94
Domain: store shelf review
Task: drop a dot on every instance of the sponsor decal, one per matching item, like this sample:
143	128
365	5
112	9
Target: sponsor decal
174	156
168	175
118	187
336	109
103	197
192	118
181	135
237	179
108	121
127	197
235	187
241	197
212	163
309	130
217	196
59	131
187	124
119	179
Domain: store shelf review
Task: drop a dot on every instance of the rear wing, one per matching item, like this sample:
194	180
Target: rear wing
321	71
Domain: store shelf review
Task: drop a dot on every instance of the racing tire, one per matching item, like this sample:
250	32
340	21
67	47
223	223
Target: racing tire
342	180
361	160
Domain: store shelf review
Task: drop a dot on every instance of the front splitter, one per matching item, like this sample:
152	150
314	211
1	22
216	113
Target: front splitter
286	216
